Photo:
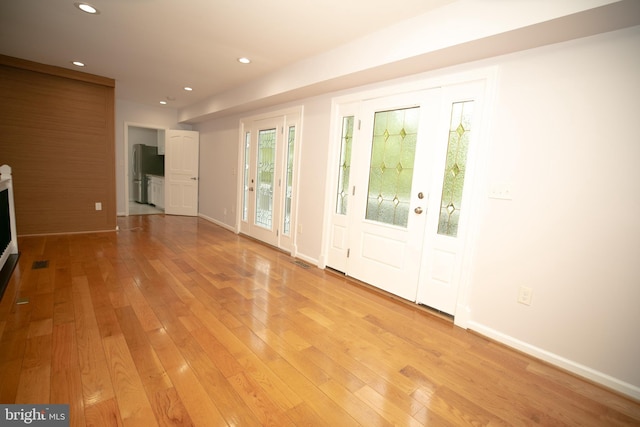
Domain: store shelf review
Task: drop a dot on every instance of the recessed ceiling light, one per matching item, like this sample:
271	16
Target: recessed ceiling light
78	63
163	102
188	89
85	7
244	60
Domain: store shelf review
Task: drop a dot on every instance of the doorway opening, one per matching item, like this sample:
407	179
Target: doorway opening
144	177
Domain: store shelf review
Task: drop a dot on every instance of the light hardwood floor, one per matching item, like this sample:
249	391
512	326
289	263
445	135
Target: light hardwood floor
175	321
143	209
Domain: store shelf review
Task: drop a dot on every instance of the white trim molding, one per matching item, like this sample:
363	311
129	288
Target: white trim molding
558	361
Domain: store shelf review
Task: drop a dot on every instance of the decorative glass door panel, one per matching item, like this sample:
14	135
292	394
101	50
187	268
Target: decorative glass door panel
265	178
391	168
245	176
286	226
455	167
344	167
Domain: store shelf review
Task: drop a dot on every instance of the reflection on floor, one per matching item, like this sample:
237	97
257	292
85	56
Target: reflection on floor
143	209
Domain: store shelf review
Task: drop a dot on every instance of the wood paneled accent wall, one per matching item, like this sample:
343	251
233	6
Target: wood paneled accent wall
57	133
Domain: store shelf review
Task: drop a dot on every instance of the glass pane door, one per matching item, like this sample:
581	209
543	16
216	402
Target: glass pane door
269	181
245	177
392	169
288	196
265	178
344	167
393	150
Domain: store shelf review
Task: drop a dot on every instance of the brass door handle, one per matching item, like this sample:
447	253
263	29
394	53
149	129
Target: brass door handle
418	210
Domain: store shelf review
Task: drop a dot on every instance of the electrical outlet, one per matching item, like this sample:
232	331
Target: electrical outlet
98	206
524	295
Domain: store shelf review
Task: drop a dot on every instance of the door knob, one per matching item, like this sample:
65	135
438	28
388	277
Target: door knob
418	210
250	188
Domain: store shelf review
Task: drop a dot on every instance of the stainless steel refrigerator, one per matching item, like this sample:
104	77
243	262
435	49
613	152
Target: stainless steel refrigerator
146	161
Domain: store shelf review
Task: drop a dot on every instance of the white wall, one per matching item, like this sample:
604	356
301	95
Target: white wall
315	138
142	116
219	141
563	137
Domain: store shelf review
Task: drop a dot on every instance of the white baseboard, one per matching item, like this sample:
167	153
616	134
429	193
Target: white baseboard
307	259
569	365
216	222
322	262
462	316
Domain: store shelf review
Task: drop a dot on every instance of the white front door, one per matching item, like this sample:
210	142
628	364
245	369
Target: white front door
392	167
182	152
398	220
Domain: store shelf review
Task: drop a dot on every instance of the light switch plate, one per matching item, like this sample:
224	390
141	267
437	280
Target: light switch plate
525	294
500	191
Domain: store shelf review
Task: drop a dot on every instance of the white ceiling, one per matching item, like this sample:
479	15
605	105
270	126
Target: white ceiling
153	48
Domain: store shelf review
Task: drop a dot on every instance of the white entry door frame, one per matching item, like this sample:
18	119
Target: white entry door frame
445	260
269	152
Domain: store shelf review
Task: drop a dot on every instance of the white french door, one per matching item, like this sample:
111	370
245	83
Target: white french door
398	217
268	183
263	201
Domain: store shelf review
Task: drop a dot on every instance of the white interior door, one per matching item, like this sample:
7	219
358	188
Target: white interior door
182	152
392	165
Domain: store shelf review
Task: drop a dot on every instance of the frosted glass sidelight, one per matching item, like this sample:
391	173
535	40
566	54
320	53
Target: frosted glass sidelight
265	178
345	165
393	148
245	193
455	168
289	184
